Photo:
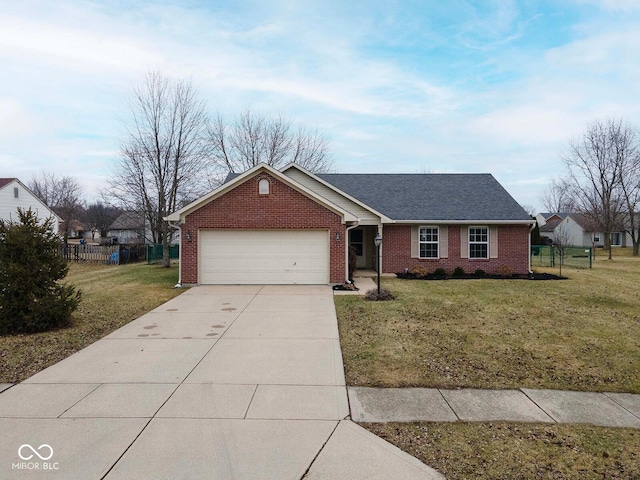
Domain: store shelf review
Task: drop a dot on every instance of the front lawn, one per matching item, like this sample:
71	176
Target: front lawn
576	334
112	296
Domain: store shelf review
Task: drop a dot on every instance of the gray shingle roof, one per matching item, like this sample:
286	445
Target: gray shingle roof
448	196
128	221
429	196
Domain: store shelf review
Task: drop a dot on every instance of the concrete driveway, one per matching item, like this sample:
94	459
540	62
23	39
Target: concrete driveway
222	382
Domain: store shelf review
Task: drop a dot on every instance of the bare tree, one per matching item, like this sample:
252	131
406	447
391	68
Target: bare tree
99	216
61	194
628	145
557	198
255	138
530	209
595	162
164	155
561	244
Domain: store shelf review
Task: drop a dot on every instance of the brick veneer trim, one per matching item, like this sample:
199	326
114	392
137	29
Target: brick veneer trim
513	251
244	207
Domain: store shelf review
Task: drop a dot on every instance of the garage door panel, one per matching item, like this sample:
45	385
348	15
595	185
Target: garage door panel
263	256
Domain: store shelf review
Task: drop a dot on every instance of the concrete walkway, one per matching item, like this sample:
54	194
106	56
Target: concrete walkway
524	405
229	382
363	284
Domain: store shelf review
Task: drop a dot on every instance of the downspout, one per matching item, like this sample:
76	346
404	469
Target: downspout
346	254
177	227
533	225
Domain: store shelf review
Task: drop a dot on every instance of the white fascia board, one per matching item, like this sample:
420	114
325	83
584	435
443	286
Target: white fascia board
383	218
467	222
222	189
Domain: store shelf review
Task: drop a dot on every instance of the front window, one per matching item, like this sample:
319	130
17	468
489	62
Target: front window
478	242
616	239
596	237
428	242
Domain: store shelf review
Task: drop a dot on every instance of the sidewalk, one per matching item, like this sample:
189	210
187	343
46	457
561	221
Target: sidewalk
471	405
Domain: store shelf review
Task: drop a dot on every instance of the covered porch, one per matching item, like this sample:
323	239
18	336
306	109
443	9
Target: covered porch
361	240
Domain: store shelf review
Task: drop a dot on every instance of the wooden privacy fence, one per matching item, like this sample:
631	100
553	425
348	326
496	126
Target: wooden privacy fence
107	254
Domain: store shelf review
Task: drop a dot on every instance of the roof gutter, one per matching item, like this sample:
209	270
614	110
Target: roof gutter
468	222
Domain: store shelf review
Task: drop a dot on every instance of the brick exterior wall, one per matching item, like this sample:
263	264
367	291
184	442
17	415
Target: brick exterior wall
244	208
513	251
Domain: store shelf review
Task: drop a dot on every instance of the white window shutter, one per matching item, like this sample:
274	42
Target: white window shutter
414	241
493	241
464	242
444	242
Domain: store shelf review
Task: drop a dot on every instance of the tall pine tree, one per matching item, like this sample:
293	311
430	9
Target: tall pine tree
31	297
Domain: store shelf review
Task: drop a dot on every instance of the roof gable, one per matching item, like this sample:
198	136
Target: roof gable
335	195
28	200
233	181
129	220
6	181
432	197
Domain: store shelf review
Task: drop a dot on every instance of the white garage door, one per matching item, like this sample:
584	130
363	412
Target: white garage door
263	256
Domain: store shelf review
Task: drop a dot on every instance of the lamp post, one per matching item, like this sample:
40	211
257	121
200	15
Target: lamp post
378	242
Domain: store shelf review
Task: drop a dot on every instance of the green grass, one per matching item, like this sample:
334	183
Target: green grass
576	334
518	450
112	296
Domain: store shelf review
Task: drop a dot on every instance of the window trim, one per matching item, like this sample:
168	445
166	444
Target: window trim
619	238
430	242
475	242
16	192
263	186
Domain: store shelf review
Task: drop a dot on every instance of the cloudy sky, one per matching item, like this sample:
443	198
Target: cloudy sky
398	86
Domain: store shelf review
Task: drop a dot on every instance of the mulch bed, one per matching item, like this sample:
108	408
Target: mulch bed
470	276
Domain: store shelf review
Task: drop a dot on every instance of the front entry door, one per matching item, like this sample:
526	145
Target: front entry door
358	243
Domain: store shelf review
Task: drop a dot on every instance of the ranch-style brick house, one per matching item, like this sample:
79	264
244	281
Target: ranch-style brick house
289	226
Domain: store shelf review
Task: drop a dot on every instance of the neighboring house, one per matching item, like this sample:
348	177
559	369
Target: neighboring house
129	227
578	230
77	229
14	194
291	226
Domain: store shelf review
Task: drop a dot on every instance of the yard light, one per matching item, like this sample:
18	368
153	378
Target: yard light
378	242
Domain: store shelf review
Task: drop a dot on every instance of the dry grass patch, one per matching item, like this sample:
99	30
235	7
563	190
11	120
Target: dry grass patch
576	334
112	296
518	450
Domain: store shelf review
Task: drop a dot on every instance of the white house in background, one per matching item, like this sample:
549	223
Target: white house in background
577	230
14	194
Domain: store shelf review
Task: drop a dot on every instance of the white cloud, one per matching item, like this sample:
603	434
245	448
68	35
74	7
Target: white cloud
71	48
16	120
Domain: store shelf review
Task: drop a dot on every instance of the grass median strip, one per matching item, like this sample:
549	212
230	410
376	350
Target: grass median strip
576	334
113	296
518	450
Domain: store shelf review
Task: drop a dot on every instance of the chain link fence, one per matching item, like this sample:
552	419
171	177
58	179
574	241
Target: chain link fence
551	255
154	253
